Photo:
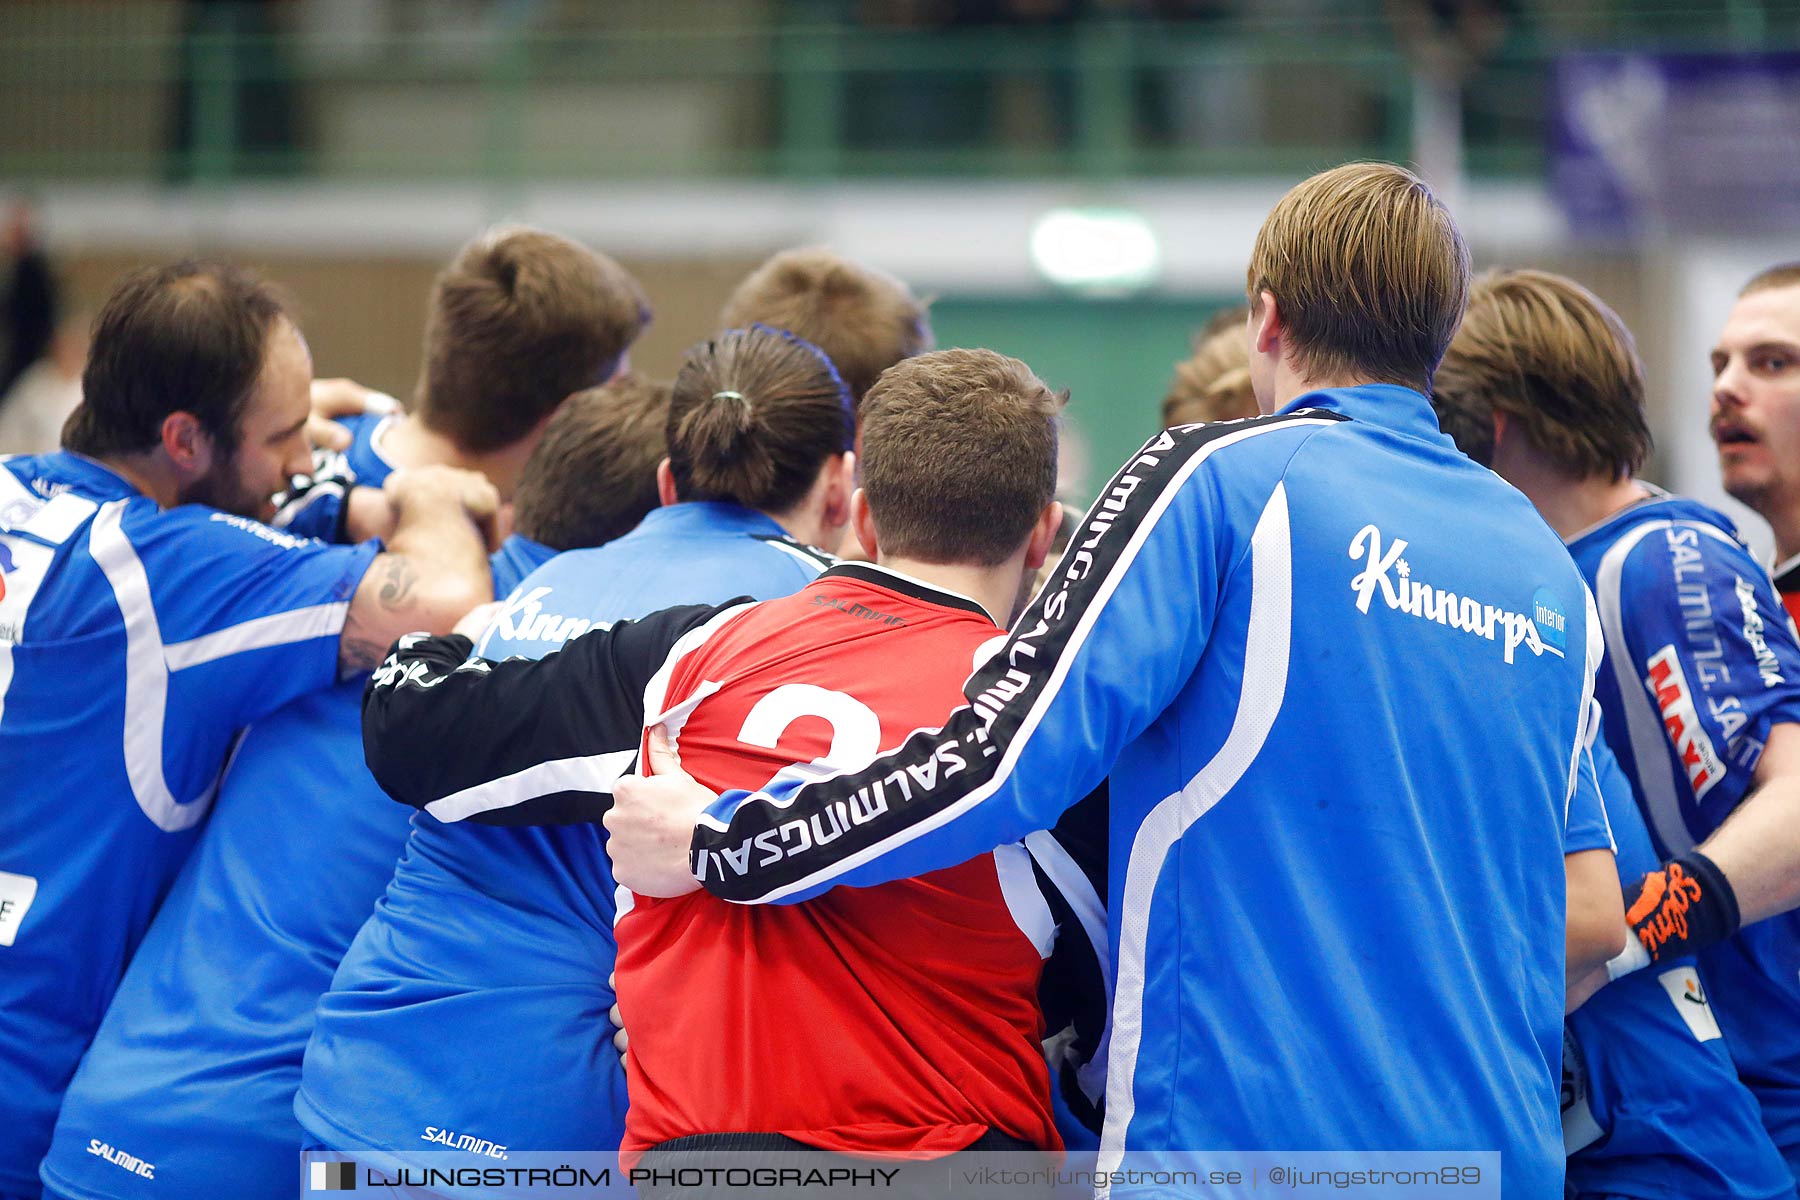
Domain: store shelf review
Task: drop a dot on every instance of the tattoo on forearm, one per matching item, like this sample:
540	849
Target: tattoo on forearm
397	583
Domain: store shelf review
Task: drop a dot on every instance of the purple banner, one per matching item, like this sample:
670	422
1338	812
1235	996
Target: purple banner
1680	143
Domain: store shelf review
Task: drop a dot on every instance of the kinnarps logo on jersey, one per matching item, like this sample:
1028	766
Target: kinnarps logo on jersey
522	618
1542	631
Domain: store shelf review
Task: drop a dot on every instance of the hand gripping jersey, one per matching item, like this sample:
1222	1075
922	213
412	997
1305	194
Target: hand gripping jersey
899	1020
490	1031
134	644
318	507
1654	1109
194	1069
1701	662
1338	674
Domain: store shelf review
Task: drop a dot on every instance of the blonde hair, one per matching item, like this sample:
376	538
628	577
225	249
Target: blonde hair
1213	384
1558	362
1369	271
1782	276
863	319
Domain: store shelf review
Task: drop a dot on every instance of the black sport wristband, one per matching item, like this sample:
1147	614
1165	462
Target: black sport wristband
1682	907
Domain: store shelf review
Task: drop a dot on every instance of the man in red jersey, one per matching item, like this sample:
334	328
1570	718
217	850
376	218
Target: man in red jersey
892	1022
899	1022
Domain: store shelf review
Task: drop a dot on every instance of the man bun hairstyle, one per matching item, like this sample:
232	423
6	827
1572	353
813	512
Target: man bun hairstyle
592	477
863	319
958	456
520	320
1559	363
186	337
753	414
1369	271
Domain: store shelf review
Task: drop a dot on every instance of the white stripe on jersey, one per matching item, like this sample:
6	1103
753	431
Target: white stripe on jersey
259	633
587	773
1266	639
817	560
1649	741
146	675
1078	891
1018	884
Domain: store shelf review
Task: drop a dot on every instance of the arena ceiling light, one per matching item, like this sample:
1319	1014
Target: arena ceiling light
1096	249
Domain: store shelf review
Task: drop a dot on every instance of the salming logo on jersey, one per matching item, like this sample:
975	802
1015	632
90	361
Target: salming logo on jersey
1542	631
122	1160
1675	701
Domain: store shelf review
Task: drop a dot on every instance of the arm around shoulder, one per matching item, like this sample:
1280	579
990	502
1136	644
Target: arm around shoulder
434	570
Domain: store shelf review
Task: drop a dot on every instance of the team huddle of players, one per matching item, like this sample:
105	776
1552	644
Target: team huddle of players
1279	725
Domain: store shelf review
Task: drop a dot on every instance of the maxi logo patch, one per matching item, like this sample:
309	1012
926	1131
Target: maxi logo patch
6	566
1675	702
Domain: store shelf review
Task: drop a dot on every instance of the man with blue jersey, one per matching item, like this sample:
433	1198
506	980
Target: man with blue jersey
1700	687
1302	645
146	617
184	1075
432	1038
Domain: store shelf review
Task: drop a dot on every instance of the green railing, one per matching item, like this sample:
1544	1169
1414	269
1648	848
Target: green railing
806	96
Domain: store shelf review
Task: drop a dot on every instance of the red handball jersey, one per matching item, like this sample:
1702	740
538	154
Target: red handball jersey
1787	582
898	1021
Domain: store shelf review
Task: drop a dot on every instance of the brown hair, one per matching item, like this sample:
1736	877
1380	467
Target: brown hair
1782	276
1369	271
959	456
753	415
1558	362
188	337
1214	384
593	476
518	321
863	319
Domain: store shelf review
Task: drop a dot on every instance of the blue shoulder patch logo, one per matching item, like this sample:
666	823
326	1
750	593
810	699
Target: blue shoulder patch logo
1547	612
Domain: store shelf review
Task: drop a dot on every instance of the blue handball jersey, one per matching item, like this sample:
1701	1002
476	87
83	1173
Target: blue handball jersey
490	1031
1340	677
318	508
1701	661
134	644
1655	1110
194	1069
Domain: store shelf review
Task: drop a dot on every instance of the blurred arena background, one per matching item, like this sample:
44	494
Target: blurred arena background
1077	182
